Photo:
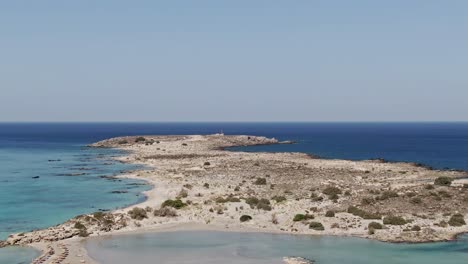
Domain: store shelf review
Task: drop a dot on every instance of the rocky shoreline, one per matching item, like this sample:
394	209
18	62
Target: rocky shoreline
196	181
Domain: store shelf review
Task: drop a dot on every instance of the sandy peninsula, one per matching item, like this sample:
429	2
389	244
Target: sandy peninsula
199	185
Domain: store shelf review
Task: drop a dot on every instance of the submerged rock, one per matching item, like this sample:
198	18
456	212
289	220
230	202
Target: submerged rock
119	191
297	260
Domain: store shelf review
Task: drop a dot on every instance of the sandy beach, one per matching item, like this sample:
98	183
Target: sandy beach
197	185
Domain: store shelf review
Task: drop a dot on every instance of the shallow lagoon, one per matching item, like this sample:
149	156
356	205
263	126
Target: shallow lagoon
209	247
17	255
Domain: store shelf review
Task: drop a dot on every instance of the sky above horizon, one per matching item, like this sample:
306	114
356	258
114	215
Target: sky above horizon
243	60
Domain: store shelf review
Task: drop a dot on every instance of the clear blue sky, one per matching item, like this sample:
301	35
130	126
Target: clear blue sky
250	60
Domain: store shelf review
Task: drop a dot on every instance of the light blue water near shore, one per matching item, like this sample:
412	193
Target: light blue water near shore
43	184
209	247
17	255
46	179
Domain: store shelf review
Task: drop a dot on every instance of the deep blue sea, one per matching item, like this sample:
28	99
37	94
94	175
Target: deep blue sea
48	175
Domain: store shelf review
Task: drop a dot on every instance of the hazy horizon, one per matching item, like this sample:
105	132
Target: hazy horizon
241	61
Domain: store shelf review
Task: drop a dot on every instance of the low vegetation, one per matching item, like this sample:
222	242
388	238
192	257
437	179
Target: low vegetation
330	213
165	212
260	181
375	225
332	192
140	139
367	201
387	195
302	217
263	204
245	218
394	220
416	200
79	225
177	204
443	181
182	194
137	213
363	214
229	199
278	199
316	226
457	220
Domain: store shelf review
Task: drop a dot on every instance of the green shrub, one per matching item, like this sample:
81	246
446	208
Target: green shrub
245	218
316	226
140	139
207	163
416	228
394	220
298	217
375	225
332	191
83	233
301	217
260	181
315	197
318	199
263	204
330	213
229	199
182	194
429	187
232	199
165	212
367	201
79	225
333	197
416	200
122	142
387	195
278	199
442	224
138	213
444	181
444	194
99	215
252	201
363	214
457	220
177	204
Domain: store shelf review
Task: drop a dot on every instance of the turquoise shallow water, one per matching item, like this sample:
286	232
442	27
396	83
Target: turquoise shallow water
17	255
43	185
256	248
48	178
